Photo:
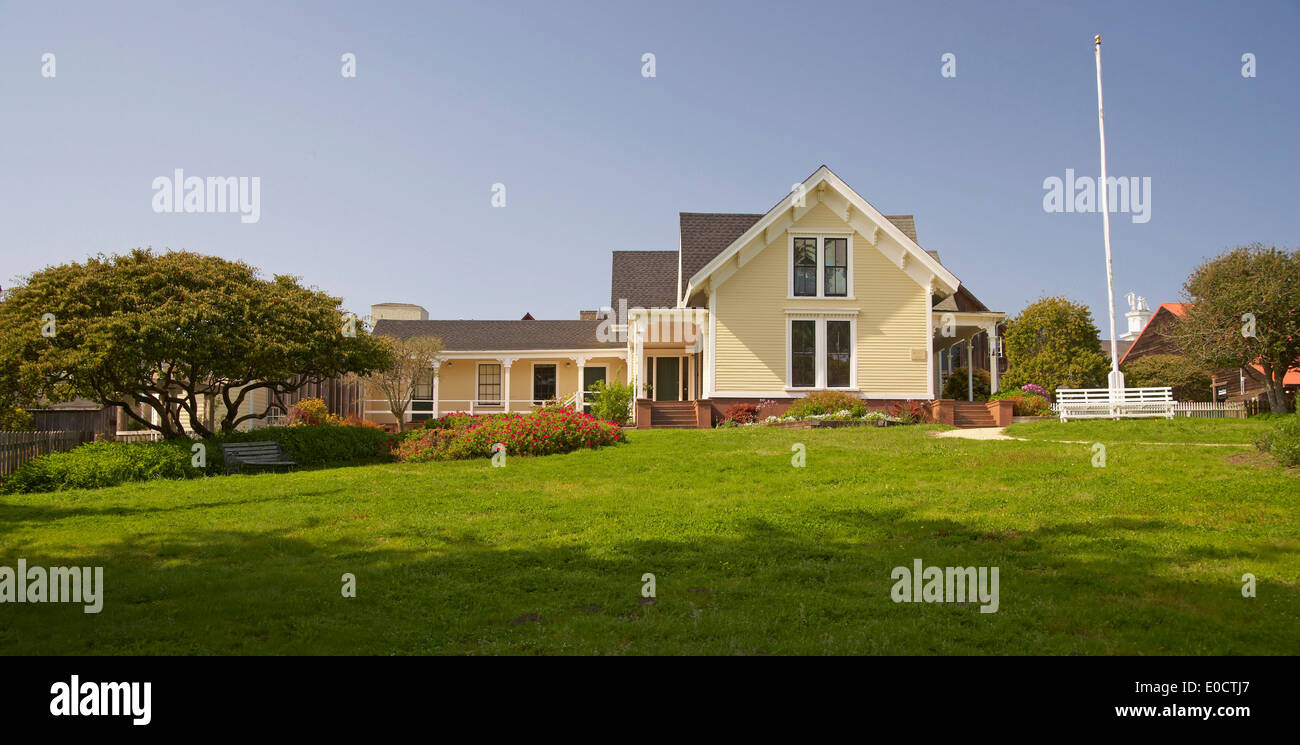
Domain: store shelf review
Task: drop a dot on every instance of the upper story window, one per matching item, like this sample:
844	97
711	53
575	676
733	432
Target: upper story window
821	266
805	267
821	350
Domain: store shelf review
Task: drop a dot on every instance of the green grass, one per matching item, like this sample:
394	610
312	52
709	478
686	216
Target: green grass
1178	430
751	555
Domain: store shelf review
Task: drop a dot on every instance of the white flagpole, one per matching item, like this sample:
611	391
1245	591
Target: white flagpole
1116	379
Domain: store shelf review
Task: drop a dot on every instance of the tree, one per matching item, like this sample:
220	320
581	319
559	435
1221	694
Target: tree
1244	309
1190	381
1054	343
162	331
412	364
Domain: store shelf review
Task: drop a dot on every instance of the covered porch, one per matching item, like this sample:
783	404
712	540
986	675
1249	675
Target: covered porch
666	350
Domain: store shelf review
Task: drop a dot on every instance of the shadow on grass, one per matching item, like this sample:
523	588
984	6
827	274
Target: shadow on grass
1076	588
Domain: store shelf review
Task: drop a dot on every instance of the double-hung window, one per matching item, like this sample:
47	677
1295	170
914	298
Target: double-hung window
489	384
820	266
821	350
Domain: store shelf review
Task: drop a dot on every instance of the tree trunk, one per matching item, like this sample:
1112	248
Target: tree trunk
1276	394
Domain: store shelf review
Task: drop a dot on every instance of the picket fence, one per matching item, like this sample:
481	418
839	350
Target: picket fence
17	448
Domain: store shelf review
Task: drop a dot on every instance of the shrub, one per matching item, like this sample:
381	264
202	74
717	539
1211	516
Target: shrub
540	433
742	414
827	402
1024	402
110	463
955	386
1035	389
312	411
15	419
1189	380
102	464
612	402
1283	441
908	412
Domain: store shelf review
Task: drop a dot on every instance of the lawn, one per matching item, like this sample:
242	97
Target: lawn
750	554
1177	430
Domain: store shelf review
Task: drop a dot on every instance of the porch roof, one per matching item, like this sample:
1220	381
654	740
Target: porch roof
460	336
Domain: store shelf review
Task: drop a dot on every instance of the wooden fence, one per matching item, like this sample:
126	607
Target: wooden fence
1211	409
17	448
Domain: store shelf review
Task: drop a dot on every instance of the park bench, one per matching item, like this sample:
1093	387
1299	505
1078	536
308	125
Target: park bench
254	454
1097	403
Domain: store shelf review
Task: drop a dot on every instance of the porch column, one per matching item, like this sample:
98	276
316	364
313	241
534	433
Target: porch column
436	365
970	369
581	361
992	331
506	362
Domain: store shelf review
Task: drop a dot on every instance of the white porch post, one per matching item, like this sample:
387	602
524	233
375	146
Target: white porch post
581	361
436	365
506	362
993	358
970	369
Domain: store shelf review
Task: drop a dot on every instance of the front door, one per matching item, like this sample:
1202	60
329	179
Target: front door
667	378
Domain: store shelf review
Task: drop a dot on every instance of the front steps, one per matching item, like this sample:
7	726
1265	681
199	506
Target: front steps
672	415
971	415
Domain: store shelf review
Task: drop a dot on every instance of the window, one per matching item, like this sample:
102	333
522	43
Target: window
803	354
821	266
805	267
836	261
543	383
822	350
489	384
422	398
839	344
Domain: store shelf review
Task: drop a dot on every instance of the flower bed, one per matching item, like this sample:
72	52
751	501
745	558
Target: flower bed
544	432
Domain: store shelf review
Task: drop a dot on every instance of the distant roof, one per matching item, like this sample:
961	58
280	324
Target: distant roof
646	279
76	404
460	336
1175	309
704	235
1121	345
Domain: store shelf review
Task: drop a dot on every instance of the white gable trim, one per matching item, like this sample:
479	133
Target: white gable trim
848	206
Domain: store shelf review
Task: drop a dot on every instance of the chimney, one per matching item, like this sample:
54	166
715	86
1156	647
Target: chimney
587	315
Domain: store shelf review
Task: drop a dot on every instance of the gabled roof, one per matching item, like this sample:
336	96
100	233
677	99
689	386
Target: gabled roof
915	261
474	336
1175	309
704	235
646	279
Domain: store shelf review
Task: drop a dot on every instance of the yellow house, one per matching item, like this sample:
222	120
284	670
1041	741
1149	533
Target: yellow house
821	292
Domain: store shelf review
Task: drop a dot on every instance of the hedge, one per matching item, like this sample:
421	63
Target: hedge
110	463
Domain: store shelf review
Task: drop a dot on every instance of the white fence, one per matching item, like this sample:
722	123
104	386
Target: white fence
1102	403
1211	409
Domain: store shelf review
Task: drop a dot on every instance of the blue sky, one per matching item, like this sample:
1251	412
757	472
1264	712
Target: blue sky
377	188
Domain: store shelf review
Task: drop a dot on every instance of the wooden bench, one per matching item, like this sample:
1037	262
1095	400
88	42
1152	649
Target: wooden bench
1097	403
254	454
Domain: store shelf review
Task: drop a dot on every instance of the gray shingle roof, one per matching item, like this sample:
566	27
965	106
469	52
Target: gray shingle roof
706	234
462	336
644	278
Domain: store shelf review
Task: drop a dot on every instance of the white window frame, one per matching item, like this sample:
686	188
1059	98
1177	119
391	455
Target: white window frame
501	371
821	235
532	381
820	318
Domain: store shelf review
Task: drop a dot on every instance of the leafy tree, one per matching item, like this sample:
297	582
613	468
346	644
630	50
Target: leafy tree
161	331
411	364
1244	309
955	386
1054	343
1190	381
14	418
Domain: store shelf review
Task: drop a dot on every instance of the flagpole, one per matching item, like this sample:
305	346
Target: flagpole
1116	378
